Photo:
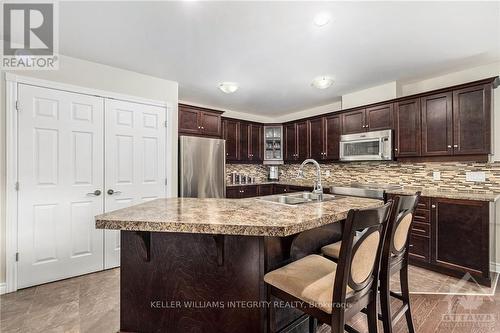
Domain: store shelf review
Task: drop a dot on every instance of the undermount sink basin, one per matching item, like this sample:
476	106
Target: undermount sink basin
298	198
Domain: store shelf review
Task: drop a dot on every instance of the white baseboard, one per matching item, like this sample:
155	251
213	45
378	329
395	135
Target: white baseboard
495	267
3	288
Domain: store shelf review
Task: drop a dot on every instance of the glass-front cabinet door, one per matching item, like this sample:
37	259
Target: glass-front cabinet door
273	144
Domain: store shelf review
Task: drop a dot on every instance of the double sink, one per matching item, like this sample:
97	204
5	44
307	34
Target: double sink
298	198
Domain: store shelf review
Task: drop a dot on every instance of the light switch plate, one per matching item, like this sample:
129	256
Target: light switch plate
475	176
327	173
436	175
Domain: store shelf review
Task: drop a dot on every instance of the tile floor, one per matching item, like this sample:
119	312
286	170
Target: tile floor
90	303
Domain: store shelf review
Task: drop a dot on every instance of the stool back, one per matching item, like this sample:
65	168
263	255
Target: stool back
359	258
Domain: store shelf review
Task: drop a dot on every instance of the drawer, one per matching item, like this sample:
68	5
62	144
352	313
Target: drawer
424	203
422	229
265	189
423	216
249	191
419	248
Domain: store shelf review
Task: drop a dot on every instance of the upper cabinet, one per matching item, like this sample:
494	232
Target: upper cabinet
199	121
324	138
374	118
296	141
472	120
457	122
244	141
407	134
437	124
230	133
353	122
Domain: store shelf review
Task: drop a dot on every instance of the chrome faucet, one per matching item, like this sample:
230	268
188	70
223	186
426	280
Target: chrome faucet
318	188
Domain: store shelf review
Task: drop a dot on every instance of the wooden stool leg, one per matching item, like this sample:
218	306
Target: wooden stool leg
313	324
405	292
385	301
372	314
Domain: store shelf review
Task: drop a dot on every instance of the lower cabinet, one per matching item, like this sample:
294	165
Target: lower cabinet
249	191
241	192
451	236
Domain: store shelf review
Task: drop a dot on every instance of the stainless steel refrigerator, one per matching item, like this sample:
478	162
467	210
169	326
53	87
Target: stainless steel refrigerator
202	167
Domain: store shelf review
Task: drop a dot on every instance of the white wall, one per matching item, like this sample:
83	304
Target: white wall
371	95
332	107
92	75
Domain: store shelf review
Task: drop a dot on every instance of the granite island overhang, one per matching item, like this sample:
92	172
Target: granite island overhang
190	264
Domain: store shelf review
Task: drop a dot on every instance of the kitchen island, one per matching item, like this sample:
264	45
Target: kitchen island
197	265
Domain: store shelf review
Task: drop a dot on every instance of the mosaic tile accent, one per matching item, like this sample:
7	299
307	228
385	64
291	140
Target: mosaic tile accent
405	174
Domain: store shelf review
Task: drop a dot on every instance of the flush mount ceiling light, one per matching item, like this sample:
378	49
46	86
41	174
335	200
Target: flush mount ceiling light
322	82
322	19
228	87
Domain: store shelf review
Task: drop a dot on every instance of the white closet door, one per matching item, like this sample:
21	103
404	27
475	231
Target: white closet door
60	167
135	167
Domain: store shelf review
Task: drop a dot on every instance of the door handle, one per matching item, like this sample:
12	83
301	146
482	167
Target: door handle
111	192
96	193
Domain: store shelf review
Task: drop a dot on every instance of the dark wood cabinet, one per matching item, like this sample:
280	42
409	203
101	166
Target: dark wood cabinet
379	117
302	141
324	138
407	131
451	236
256	143
266	189
233	192
230	133
374	118
199	121
437	124
244	141
353	122
317	138
472	120
279	189
332	137
290	144
460	232
296	141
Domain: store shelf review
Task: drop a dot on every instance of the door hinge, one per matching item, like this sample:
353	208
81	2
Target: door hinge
166	123
17	186
17	256
18	108
166	181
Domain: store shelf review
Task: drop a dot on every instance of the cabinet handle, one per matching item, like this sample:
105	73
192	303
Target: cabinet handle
433	206
449	146
395	149
199	127
455	146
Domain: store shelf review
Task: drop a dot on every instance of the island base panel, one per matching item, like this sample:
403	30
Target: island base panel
169	279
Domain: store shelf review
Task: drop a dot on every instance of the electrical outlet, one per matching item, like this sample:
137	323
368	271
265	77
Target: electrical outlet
327	173
475	176
436	175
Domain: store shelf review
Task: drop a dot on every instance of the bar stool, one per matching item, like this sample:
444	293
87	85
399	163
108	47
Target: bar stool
333	293
395	260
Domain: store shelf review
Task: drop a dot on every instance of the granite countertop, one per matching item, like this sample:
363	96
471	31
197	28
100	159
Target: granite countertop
463	195
252	216
434	193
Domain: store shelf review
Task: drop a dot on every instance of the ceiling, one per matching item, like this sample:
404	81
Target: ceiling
273	49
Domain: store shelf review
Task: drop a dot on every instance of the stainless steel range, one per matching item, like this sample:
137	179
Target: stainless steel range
376	191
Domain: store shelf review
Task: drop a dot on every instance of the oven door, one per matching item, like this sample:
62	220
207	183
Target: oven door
369	149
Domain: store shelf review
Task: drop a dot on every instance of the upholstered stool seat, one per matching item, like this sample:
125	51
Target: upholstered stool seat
333	250
309	279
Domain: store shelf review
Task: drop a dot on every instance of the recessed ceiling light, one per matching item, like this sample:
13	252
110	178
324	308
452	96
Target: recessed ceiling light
228	87
322	19
322	82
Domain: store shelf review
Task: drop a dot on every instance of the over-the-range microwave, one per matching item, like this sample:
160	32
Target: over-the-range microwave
367	146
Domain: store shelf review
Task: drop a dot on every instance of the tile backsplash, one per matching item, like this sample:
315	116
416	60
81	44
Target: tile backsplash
452	174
